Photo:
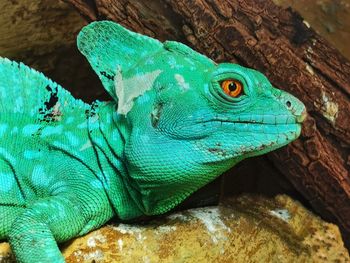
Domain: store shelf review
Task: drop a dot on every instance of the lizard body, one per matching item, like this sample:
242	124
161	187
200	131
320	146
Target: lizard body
177	121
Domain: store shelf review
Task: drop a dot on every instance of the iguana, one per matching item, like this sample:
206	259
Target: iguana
177	120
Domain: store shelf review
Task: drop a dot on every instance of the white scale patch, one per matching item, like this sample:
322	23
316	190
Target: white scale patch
87	145
129	89
181	82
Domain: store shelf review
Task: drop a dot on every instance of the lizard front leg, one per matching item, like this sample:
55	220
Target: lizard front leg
34	233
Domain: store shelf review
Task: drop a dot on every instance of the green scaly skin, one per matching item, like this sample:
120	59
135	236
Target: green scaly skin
67	167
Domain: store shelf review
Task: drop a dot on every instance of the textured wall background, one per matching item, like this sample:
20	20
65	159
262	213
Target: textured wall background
42	34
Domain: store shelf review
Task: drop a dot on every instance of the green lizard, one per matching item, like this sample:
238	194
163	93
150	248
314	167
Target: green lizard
177	121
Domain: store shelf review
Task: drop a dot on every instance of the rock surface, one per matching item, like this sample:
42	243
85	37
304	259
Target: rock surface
243	229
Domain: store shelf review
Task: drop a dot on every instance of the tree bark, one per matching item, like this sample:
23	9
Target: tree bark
279	43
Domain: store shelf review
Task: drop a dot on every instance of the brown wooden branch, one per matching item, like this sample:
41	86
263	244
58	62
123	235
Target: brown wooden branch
277	42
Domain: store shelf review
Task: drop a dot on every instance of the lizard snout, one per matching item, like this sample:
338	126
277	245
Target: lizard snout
295	106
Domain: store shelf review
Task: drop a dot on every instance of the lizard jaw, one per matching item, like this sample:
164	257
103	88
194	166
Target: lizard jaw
268	137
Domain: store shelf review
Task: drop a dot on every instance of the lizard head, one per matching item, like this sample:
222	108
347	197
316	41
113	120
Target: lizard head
190	119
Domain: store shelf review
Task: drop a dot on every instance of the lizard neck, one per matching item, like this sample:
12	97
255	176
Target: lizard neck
108	133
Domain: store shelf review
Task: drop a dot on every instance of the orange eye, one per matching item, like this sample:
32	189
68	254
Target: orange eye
232	87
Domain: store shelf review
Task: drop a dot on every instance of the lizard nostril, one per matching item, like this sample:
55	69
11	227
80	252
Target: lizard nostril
288	103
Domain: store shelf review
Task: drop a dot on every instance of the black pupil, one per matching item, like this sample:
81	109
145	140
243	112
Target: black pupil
232	86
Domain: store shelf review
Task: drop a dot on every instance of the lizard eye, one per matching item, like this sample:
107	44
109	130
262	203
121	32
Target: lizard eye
232	87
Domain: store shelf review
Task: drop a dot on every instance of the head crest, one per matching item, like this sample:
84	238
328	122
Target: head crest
109	47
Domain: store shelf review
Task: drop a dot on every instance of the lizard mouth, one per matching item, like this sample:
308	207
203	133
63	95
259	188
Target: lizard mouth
289	130
273	131
275	120
262	122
